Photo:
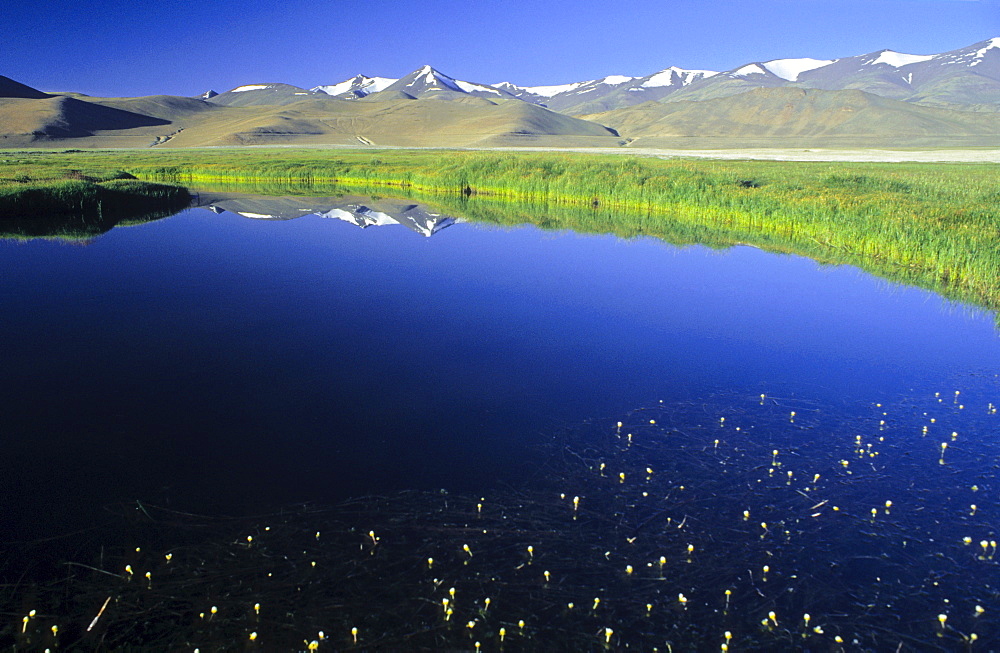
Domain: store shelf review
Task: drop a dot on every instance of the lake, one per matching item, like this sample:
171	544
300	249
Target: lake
260	352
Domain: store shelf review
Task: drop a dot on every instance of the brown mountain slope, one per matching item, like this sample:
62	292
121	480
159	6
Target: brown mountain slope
165	107
411	122
64	117
81	121
801	115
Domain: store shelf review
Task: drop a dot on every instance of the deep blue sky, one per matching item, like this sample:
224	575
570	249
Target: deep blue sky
135	47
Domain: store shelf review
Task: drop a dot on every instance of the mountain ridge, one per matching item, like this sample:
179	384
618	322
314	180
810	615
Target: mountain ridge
885	96
907	77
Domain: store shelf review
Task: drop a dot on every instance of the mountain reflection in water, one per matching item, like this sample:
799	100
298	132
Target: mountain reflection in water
361	211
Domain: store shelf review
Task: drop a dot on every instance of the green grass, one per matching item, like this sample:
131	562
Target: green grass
934	225
52	192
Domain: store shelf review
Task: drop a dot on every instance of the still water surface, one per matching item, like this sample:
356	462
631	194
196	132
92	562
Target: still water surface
695	444
211	361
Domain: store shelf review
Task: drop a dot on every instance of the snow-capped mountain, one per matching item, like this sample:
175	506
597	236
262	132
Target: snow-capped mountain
260	94
949	98
546	93
423	82
612	92
562	97
357	87
426	81
969	75
954	79
983	56
966	76
674	77
790	69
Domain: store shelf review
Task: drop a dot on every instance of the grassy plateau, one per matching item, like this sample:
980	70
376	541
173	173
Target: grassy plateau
933	225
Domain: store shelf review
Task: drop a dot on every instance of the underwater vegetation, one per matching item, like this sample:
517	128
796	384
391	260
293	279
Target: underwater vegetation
735	523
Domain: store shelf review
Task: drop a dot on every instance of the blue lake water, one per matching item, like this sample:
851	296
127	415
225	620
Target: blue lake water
810	438
215	361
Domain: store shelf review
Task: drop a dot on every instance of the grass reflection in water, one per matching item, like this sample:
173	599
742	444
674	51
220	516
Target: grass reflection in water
738	523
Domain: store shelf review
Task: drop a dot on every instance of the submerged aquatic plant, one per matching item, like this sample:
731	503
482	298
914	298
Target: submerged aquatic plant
854	573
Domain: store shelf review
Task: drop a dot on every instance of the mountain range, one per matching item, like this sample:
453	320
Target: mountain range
882	98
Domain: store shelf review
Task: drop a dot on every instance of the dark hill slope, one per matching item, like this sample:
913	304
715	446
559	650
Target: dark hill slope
11	89
64	117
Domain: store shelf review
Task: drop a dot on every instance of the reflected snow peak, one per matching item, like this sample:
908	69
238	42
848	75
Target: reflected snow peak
363	212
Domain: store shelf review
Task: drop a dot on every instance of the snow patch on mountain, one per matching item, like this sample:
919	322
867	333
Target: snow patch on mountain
360	84
667	77
469	87
662	78
549	91
336	89
898	59
750	69
431	78
251	87
980	53
990	44
380	84
558	89
790	69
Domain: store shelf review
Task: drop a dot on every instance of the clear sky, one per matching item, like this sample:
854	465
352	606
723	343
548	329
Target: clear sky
185	47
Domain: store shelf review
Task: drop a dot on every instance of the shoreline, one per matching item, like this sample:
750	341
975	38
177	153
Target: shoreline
846	155
791	154
984	154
